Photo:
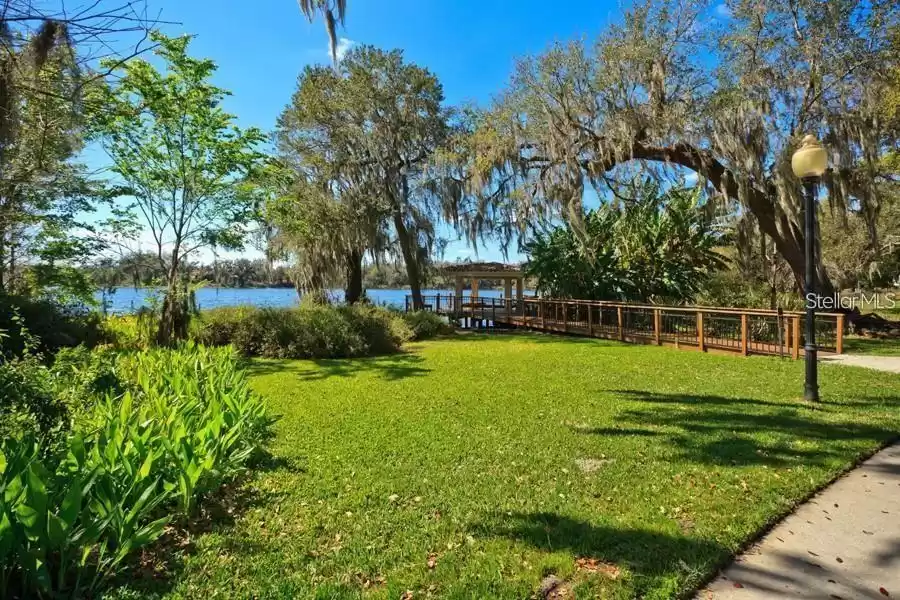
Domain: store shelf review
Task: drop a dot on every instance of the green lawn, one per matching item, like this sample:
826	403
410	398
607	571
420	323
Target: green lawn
876	347
474	467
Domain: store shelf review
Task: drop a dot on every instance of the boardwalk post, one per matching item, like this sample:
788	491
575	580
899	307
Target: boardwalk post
621	323
541	310
700	341
437	303
839	341
590	320
494	313
787	333
656	326
407	303
795	345
565	316
745	346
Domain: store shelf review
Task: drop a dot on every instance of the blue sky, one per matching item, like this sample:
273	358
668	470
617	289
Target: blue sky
261	47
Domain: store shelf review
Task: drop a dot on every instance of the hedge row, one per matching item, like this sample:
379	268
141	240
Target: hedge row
311	331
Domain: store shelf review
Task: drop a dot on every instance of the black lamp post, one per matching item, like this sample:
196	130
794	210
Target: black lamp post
809	164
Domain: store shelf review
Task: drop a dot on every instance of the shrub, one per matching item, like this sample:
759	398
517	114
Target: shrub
186	422
730	288
309	331
80	376
426	325
43	401
134	332
217	327
51	324
384	331
28	405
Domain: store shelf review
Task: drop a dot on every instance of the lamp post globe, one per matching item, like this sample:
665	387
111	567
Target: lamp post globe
809	163
810	160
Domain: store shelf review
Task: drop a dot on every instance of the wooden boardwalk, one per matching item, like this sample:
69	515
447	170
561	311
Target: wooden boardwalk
735	331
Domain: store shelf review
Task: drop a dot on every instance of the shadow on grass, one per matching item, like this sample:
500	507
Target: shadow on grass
646	553
717	430
391	367
152	572
519	335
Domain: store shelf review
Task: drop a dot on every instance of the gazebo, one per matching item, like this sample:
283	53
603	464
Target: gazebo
475	272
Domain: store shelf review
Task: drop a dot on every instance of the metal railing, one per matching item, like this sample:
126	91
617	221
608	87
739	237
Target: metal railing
736	330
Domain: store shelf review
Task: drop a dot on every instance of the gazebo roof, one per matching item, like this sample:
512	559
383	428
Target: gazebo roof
486	270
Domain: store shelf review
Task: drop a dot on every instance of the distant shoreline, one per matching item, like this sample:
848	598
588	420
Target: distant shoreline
291	287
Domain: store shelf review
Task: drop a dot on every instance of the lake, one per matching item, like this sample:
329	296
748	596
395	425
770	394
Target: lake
129	299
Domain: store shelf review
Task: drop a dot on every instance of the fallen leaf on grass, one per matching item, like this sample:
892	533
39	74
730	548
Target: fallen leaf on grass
432	560
592	565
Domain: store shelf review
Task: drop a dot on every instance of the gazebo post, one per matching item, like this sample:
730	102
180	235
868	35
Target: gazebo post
507	295
475	273
520	293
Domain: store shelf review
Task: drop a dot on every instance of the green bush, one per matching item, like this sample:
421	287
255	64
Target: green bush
218	326
80	376
28	404
309	331
186	422
731	289
132	332
426	325
50	324
43	401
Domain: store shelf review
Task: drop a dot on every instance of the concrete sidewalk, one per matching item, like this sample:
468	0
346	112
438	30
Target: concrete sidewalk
891	364
842	544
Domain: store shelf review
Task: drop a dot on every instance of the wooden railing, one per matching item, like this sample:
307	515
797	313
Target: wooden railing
741	331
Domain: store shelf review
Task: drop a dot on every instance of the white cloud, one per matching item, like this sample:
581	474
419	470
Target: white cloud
343	47
723	11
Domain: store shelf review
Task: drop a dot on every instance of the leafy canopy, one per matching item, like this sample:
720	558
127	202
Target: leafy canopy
179	152
672	87
651	247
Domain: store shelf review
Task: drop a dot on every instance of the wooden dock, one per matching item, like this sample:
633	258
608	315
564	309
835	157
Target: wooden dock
730	330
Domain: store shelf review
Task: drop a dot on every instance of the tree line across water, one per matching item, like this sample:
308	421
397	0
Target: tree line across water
680	123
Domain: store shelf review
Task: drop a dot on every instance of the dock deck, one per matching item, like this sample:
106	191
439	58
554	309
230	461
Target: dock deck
736	331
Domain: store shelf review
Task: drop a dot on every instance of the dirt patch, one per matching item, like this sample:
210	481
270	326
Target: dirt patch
554	588
590	465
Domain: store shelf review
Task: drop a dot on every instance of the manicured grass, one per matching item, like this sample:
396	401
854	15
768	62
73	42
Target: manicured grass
876	347
474	467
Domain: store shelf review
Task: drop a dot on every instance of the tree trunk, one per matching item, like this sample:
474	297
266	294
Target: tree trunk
354	290
175	317
409	248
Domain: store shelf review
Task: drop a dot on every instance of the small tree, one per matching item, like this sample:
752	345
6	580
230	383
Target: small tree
182	159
